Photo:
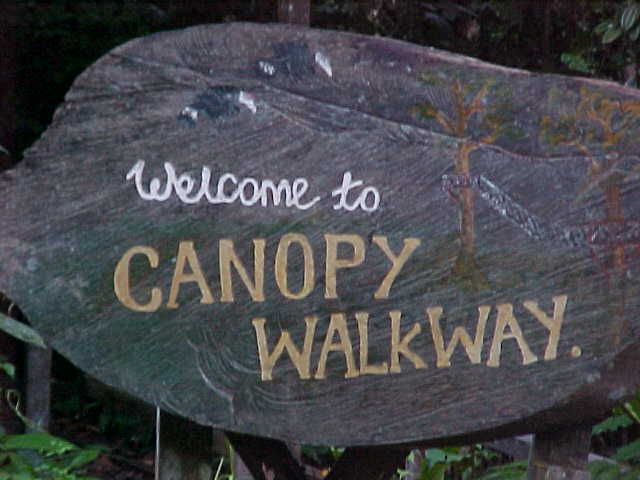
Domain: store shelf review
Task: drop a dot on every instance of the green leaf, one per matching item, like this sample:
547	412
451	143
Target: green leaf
17	476
445	456
514	470
612	423
630	475
20	331
435	473
603	27
84	457
611	35
8	368
635	33
336	452
576	62
632	409
629	452
630	16
43	442
603	470
14	467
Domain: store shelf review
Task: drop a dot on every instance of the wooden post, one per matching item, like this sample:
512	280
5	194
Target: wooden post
184	450
240	469
560	454
294	11
368	463
265	458
38	387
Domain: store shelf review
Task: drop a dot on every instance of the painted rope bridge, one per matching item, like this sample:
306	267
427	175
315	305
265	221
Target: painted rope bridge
335	239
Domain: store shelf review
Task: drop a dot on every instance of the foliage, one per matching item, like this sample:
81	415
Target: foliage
624	24
43	456
463	463
37	455
20	331
625	464
577	62
508	471
623	416
615	55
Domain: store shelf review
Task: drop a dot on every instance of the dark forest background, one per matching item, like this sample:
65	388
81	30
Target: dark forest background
53	41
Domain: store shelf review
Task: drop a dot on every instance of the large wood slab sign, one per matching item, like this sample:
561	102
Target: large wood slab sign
335	239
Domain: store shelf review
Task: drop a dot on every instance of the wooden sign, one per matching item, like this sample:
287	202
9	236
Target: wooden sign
335	239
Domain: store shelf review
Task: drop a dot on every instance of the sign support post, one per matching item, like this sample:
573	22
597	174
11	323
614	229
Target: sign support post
560	454
184	449
38	385
265	459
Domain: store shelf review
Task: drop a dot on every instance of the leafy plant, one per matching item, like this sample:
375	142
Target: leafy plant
509	471
577	62
20	331
625	23
623	416
438	464
37	455
468	463
625	464
43	456
624	28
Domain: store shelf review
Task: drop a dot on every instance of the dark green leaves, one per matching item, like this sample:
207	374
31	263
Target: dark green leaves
43	456
577	63
627	23
612	423
630	16
42	442
611	34
20	331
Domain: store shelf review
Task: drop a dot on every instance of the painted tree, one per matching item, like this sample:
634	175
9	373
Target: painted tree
603	130
463	112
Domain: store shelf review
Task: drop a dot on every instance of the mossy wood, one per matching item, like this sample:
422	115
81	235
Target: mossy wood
330	238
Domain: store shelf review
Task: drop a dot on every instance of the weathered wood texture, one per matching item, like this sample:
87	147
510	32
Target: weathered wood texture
494	200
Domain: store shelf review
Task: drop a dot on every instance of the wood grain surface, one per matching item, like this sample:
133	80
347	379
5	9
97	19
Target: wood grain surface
329	238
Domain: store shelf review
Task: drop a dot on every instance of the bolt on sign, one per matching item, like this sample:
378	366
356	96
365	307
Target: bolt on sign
332	238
